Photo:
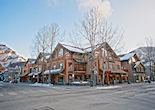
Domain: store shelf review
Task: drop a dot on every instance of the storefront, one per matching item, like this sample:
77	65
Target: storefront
56	76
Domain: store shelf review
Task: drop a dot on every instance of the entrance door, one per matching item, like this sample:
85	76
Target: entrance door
53	79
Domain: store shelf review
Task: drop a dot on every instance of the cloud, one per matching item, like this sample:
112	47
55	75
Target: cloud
53	2
104	6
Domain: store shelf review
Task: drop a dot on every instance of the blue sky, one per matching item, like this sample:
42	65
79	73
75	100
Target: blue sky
20	20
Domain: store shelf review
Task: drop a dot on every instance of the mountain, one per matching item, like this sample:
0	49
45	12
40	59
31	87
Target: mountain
9	56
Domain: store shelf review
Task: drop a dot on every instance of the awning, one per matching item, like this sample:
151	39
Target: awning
119	72
34	73
53	71
24	74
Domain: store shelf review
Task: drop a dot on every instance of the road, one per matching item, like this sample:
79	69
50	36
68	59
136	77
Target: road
125	97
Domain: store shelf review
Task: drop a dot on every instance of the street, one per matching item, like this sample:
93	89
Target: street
128	96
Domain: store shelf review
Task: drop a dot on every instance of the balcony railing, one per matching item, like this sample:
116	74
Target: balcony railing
80	69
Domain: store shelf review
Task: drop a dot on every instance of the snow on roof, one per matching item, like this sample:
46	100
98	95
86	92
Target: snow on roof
16	64
31	61
53	71
34	73
127	56
73	49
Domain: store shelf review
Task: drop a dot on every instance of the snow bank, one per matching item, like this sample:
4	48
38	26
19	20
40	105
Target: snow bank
1	83
41	85
108	87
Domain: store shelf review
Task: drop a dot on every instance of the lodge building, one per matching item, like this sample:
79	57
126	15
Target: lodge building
68	64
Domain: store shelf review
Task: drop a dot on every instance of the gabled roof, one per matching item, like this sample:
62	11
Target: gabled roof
108	48
73	48
13	65
46	55
86	50
138	63
31	61
126	57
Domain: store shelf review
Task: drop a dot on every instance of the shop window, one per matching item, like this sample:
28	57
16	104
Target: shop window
60	79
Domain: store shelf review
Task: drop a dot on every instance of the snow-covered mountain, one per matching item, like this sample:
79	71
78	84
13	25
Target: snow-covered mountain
9	56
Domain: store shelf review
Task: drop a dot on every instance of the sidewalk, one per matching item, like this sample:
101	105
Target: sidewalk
67	87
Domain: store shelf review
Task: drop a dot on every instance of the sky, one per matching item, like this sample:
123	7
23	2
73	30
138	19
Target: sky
20	20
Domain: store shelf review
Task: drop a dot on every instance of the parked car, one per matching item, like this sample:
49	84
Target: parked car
80	83
14	81
5	80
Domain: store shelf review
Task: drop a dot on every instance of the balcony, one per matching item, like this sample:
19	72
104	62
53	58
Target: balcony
80	69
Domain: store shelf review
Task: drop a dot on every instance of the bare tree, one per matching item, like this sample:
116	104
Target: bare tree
150	54
45	39
44	42
95	29
113	36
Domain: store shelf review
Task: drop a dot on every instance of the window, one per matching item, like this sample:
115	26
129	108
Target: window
118	67
60	52
104	52
96	54
110	65
31	70
54	66
61	65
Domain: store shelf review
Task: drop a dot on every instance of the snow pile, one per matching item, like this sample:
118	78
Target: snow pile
108	87
41	85
1	83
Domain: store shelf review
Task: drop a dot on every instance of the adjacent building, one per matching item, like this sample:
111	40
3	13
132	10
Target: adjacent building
41	65
1	72
28	68
131	63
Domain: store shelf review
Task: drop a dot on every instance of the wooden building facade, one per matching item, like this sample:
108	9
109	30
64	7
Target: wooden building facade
69	64
136	70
